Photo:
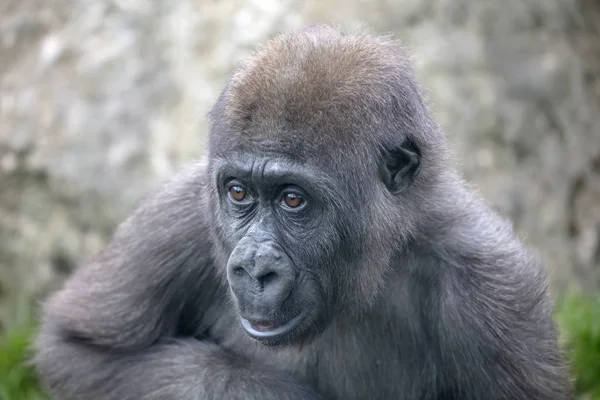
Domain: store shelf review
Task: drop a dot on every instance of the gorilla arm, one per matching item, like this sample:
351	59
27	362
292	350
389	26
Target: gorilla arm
114	331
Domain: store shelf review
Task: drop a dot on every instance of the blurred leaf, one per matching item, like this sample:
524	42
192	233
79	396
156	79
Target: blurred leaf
579	319
18	381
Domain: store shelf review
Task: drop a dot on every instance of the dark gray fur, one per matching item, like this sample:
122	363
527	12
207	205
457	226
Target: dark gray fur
413	287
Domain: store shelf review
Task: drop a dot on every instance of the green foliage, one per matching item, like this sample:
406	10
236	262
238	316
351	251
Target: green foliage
579	319
18	379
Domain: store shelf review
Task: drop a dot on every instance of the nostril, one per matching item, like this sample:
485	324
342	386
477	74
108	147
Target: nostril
267	278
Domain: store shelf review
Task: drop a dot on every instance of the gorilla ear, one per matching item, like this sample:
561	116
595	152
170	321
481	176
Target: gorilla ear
402	165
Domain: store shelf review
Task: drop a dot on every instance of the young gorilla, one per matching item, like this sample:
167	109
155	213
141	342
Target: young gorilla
326	250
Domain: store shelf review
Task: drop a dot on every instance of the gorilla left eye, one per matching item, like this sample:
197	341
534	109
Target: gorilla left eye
292	200
237	193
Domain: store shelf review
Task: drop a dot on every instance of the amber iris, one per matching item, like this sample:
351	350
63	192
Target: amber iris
292	200
238	193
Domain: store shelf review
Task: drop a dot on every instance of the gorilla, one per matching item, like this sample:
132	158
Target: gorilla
326	248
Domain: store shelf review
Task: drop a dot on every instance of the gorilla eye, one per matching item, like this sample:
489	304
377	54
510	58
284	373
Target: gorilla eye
237	193
292	200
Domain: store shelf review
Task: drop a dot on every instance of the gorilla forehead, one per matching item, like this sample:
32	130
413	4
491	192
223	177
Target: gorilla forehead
319	87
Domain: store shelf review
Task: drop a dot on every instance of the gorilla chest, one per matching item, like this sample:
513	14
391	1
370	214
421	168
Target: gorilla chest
358	369
379	359
349	365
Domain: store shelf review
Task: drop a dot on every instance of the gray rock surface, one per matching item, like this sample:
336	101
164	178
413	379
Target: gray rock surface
101	100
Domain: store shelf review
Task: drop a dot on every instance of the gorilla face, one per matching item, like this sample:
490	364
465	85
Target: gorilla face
303	241
276	220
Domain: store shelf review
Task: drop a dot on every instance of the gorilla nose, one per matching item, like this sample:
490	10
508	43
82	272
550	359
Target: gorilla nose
262	276
266	273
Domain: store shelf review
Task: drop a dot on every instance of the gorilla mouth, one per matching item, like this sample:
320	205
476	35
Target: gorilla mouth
263	330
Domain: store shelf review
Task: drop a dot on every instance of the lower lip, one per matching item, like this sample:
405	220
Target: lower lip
271	333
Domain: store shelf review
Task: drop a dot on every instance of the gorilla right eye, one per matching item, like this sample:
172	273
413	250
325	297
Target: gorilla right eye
293	200
237	193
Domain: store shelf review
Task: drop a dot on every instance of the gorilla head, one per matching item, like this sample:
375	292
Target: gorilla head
313	143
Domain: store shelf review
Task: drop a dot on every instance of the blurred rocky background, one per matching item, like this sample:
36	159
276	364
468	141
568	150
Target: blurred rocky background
102	99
